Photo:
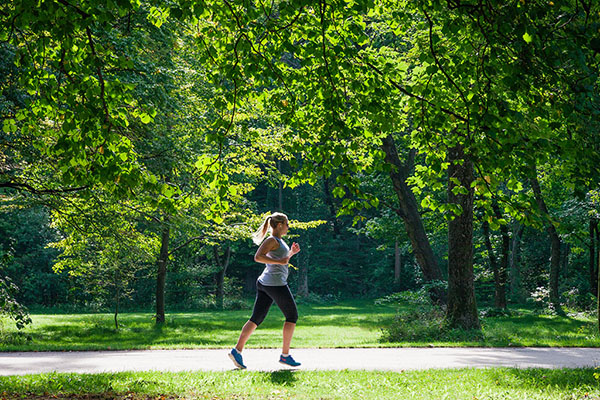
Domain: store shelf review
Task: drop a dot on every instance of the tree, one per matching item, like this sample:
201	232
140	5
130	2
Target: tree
8	305
467	110
101	246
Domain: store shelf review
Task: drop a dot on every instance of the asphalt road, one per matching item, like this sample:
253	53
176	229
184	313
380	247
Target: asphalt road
384	359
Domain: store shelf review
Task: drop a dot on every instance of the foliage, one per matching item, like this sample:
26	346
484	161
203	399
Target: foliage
139	117
8	305
423	320
419	297
25	231
232	300
579	300
314	298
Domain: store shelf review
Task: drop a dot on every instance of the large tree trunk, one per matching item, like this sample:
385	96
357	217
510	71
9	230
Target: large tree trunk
555	245
162	275
515	263
409	212
592	263
222	266
462	307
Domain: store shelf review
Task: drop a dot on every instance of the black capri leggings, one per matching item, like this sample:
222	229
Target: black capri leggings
265	295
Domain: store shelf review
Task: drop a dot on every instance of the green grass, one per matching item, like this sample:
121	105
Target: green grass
523	328
347	324
468	384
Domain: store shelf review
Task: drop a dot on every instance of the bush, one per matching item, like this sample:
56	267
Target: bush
419	297
209	302
425	322
494	312
425	326
578	300
415	326
315	298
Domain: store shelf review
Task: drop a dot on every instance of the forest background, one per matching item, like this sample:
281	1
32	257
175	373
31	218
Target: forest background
448	148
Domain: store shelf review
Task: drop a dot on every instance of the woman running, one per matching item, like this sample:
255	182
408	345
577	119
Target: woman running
271	286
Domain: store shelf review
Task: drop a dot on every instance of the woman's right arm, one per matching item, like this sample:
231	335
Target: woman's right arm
261	254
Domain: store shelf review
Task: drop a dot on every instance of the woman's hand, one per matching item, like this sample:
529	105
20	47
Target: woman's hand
295	249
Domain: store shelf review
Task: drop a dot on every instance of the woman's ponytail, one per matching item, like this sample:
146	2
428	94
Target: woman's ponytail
259	235
269	223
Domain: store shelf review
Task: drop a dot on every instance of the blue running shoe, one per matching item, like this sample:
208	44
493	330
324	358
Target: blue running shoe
236	357
289	361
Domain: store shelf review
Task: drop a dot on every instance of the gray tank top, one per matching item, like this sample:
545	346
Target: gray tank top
276	274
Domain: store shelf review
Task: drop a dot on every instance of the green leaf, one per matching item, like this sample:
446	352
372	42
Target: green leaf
145	118
527	37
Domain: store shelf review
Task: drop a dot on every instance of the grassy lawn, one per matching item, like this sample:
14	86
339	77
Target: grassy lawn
347	324
468	384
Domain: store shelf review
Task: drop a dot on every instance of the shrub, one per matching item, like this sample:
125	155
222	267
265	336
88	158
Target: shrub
578	300
424	322
315	298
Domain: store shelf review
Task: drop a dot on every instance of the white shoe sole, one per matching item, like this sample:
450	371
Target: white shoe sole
291	366
237	364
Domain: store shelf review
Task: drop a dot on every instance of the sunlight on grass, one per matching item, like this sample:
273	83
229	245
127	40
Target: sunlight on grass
347	324
468	384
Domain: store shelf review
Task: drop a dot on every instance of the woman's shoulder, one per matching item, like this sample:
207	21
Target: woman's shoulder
277	240
273	241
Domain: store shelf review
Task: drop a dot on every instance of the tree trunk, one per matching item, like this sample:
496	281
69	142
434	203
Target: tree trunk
250	281
515	262
221	274
598	282
592	263
117	297
162	275
462	307
409	212
554	248
565	259
331	206
280	187
303	273
493	263
397	262
500	298
597	269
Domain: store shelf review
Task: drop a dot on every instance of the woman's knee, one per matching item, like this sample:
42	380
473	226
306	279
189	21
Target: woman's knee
257	319
292	317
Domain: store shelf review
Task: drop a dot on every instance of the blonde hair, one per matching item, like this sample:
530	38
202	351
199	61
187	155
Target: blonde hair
268	224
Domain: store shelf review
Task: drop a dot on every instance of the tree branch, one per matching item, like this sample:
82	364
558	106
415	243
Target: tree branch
27	187
185	244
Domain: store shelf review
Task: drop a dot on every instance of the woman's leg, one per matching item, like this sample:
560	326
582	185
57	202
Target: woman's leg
285	301
247	330
261	308
288	332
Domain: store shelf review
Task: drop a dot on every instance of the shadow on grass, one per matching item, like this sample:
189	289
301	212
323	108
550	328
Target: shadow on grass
494	381
571	379
524	329
284	377
203	328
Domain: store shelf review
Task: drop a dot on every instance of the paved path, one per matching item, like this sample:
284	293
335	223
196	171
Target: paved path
396	359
